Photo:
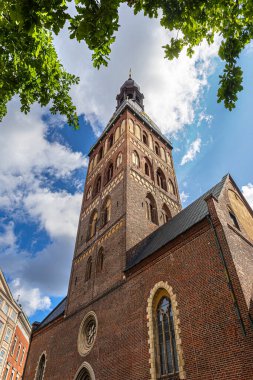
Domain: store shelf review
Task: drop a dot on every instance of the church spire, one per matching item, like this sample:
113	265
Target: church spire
130	90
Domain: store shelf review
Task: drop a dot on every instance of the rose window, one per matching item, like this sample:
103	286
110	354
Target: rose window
87	333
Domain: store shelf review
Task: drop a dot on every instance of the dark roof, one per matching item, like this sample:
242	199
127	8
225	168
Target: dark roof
55	313
180	223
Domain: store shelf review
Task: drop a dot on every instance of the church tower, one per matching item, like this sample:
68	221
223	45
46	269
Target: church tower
130	190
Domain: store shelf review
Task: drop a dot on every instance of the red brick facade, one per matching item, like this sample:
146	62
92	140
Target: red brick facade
211	297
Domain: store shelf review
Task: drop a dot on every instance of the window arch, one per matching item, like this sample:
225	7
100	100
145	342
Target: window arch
148	168
171	187
119	160
157	149
161	180
166	354
151	210
110	142
106	211
91	165
97	185
93	224
41	368
166	214
88	195
85	372
135	159
100	154
151	142
117	133
162	151
83	375
131	125
109	173
88	269
137	131
145	138
123	126
100	260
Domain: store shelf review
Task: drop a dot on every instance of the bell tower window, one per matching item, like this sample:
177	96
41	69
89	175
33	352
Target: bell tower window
151	211
109	173
161	180
93	224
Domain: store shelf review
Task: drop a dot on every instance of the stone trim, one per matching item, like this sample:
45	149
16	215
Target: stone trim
154	293
82	348
38	362
87	366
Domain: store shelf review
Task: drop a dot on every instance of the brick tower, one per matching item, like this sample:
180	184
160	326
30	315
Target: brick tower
130	190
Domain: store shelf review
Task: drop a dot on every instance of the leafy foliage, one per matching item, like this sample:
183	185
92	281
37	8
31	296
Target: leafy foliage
30	68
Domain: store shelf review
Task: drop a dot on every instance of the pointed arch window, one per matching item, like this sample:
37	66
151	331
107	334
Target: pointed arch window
88	195
41	368
91	165
119	160
100	260
151	210
109	173
83	375
110	142
145	138
157	149
161	180
148	168
93	224
137	131
117	133
97	186
88	269
100	154
135	159
171	187
106	212
166	214
166	343
162	151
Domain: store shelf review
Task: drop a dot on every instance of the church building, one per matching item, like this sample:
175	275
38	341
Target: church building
156	292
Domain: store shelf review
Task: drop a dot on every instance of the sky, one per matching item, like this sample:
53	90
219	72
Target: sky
43	161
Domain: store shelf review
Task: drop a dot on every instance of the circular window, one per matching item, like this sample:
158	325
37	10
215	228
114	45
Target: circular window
87	333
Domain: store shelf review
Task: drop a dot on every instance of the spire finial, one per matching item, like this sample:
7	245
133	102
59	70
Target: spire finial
130	73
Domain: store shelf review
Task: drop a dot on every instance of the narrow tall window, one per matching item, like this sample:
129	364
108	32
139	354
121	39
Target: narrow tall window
88	269
88	193
161	180
162	153
157	149
151	211
166	343
18	352
135	159
41	368
234	220
148	168
106	211
100	154
6	373
100	260
93	224
171	187
7	335
137	131
166	214
119	160
110	141
97	186
109	173
14	345
22	356
117	133
145	138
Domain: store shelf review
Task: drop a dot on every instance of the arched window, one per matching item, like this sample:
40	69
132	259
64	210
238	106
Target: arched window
148	168
151	142
131	125
145	138
119	160
137	131
166	214
83	375
93	224
41	368
168	158
151	211
167	359
106	211
135	159
88	269
100	154
171	187
157	149
161	180
91	165
123	126
162	151
110	141
88	193
100	260
97	186
117	133
109	173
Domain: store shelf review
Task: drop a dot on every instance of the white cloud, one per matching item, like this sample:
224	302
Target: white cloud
193	150
172	89
184	196
247	191
7	236
30	299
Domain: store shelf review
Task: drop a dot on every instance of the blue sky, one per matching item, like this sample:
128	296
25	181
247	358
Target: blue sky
43	161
